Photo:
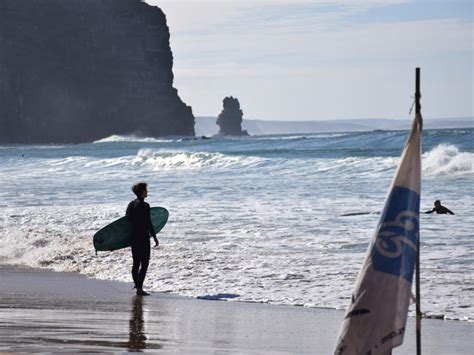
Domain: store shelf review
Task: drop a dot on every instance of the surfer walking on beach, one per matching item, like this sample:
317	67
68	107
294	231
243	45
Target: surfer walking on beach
439	209
138	213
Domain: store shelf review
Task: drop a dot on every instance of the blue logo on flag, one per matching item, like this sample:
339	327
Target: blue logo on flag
394	250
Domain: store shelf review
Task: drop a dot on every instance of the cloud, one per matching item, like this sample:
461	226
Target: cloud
357	43
284	2
217	32
319	59
197	15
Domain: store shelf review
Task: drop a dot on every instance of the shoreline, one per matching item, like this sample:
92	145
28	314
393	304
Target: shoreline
45	311
225	298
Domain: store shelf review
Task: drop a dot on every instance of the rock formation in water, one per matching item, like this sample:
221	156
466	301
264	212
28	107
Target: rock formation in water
79	70
230	119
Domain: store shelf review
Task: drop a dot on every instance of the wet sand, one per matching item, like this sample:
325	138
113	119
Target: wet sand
44	311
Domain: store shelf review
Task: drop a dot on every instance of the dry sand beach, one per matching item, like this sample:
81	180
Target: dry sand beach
44	311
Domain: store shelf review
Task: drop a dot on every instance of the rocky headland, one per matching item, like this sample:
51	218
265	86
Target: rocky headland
80	70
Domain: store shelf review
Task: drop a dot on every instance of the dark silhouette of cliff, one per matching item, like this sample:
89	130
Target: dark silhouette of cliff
230	119
79	70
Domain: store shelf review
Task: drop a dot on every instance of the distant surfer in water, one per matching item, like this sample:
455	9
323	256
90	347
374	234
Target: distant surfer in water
138	213
439	209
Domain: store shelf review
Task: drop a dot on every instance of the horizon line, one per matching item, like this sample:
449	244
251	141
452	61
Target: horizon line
348	119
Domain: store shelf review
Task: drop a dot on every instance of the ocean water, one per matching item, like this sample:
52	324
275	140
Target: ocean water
281	219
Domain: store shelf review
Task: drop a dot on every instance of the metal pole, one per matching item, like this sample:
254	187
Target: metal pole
417	92
418	309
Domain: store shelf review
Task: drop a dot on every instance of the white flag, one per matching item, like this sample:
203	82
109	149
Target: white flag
376	318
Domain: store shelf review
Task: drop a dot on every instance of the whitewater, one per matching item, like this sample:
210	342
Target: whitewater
281	219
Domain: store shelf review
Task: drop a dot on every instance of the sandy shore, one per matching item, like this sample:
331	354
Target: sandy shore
44	311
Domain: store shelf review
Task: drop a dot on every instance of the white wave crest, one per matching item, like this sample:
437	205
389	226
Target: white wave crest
118	138
303	136
159	160
154	159
446	159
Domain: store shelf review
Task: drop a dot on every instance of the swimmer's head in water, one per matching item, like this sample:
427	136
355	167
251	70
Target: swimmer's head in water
437	203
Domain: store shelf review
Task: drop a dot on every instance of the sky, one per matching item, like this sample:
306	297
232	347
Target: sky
323	59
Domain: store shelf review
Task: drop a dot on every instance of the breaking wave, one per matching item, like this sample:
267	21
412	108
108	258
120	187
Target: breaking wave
117	138
159	160
446	159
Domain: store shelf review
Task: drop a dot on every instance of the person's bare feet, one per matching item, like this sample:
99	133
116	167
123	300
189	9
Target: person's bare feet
140	292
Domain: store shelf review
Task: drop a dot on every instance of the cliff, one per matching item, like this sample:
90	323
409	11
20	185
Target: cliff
230	119
79	70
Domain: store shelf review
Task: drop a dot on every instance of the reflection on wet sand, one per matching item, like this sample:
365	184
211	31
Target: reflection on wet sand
137	336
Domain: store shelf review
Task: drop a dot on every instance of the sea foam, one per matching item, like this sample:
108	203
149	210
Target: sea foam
118	138
168	160
446	159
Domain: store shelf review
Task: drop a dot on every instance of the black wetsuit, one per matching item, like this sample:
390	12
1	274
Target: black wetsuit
440	210
138	213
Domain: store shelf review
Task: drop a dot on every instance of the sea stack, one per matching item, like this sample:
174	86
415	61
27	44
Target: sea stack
80	70
230	119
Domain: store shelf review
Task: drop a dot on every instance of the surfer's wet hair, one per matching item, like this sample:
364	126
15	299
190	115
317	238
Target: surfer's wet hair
139	187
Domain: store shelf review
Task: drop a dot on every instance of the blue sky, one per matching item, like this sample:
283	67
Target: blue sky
323	59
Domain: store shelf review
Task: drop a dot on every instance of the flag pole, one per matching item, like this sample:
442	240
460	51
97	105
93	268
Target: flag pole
418	308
